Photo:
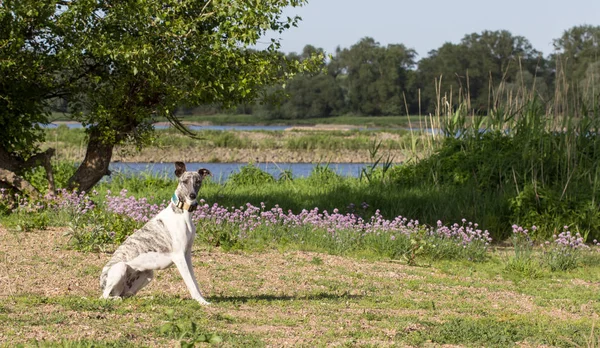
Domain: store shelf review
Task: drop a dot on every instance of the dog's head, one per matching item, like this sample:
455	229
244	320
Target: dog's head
189	183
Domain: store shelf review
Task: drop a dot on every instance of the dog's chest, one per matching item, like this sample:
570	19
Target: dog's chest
180	227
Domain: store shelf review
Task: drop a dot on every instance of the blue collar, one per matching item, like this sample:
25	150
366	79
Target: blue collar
182	205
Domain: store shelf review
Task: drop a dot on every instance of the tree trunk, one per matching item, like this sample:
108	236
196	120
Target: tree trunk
95	164
12	166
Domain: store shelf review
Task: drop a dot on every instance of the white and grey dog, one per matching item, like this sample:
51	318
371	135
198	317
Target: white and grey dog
165	240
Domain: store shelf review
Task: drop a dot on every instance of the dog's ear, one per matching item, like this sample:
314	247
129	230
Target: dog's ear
179	168
204	172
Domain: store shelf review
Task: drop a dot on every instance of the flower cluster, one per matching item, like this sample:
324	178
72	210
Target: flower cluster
565	251
76	202
137	209
565	241
466	233
522	233
248	218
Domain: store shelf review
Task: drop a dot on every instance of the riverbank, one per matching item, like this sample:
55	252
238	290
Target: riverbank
198	154
314	144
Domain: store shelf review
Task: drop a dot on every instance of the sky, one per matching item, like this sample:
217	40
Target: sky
425	25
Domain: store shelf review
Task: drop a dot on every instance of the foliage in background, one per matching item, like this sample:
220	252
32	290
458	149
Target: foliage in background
120	65
370	79
62	172
541	168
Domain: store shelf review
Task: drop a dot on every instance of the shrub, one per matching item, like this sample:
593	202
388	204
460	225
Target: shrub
62	171
322	174
550	210
27	221
458	241
97	229
251	175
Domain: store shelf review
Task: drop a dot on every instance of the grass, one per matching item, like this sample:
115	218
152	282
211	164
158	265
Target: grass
245	146
363	121
287	297
522	163
229	119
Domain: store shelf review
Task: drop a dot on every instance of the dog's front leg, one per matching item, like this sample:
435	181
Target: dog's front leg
184	265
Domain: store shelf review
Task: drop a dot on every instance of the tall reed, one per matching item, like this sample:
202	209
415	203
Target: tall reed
541	156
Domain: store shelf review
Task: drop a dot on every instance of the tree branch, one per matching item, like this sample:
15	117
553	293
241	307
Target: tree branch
18	182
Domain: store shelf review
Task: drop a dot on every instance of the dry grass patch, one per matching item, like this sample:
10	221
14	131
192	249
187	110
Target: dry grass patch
284	298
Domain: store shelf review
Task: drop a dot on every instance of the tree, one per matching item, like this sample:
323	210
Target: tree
466	71
309	95
123	64
28	60
577	53
376	77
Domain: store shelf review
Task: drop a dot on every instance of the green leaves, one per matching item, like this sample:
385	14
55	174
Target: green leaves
377	76
122	64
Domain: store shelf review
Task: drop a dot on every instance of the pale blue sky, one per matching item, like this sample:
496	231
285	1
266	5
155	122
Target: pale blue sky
425	25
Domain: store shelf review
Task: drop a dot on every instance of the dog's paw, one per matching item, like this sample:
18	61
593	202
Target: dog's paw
114	298
203	302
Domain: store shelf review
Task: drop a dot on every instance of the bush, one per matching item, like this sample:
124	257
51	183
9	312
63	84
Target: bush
251	175
62	171
27	221
97	229
550	210
322	174
546	178
523	262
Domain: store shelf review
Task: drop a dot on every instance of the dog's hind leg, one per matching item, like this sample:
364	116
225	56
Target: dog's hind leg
136	281
115	280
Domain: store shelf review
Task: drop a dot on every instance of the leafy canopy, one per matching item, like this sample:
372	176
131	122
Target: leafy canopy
121	64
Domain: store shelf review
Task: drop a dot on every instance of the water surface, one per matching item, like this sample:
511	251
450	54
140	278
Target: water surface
221	171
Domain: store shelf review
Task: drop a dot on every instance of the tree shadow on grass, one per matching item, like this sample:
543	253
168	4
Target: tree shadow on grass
272	298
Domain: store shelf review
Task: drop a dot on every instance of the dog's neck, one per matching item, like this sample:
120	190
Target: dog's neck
179	206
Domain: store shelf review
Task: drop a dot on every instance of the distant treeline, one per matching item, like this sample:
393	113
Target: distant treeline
483	70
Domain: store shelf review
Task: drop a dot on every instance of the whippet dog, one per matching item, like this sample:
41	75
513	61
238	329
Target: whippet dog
164	240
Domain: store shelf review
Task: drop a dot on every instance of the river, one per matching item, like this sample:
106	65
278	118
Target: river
221	171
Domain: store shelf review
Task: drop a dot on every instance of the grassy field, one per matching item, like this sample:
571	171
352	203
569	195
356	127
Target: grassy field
363	121
222	119
287	297
339	284
305	146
